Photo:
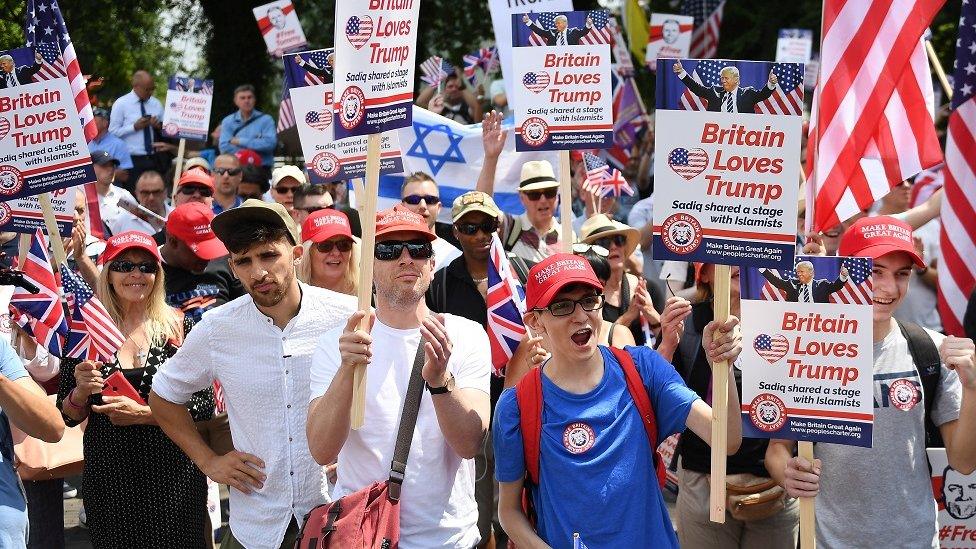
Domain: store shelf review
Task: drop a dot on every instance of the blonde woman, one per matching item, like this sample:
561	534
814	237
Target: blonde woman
140	489
331	258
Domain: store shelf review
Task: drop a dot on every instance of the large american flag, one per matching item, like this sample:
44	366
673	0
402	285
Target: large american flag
957	272
926	183
787	98
708	22
486	58
44	24
872	124
92	333
40	314
601	33
856	291
506	304
286	113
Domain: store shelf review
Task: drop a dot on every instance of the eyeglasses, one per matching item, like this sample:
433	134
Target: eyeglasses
471	229
312	209
536	195
565	307
341	245
128	266
190	190
415	199
151	192
391	249
582	248
618	240
227	171
285	190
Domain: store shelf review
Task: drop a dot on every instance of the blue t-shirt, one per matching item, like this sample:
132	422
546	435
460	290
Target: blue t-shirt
13	507
596	470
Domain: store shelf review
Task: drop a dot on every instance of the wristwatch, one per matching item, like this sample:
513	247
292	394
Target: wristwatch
441	390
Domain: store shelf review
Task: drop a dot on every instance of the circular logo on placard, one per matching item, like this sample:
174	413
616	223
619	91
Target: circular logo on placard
903	394
171	129
681	233
325	164
578	437
353	104
10	180
5	213
535	131
767	412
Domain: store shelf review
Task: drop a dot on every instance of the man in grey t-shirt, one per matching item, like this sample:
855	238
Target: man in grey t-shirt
882	496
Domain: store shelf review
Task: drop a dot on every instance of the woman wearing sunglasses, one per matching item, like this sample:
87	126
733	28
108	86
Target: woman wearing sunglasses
627	296
611	334
132	469
331	258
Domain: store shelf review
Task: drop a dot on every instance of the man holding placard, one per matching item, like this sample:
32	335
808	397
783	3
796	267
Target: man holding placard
880	496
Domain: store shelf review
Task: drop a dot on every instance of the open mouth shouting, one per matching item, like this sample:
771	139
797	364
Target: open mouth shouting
582	336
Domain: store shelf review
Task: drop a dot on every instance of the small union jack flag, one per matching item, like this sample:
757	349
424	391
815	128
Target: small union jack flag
600	176
41	315
486	58
506	305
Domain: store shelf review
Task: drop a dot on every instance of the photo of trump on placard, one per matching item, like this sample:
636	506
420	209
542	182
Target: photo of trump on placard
12	76
804	288
733	87
570	28
845	280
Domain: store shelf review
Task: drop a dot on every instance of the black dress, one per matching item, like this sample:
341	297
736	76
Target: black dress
140	489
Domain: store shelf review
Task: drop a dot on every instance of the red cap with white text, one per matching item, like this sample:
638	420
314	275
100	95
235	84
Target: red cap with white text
190	223
554	273
126	241
878	236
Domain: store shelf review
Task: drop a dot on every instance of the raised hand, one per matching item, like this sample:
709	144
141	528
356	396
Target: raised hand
492	135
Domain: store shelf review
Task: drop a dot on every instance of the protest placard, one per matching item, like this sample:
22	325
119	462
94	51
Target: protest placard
376	51
501	20
280	27
187	113
726	182
564	95
955	496
794	46
25	215
308	76
669	37
42	144
807	355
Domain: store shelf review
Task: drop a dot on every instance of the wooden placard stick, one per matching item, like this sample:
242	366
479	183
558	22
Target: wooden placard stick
720	401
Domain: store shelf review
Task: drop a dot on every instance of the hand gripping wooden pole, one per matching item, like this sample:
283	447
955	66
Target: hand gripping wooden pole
720	401
808	512
565	203
367	218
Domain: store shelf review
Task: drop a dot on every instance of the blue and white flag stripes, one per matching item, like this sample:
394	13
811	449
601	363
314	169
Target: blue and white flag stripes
452	154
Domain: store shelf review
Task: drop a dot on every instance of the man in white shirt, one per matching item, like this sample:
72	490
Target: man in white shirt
437	505
137	119
260	348
420	195
151	194
113	201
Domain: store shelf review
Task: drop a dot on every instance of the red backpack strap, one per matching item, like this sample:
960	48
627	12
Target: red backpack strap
528	396
643	402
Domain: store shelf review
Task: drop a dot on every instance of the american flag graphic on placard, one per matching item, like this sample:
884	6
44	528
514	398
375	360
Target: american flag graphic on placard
857	290
687	162
788	96
358	30
535	82
53	66
771	347
318	120
318	59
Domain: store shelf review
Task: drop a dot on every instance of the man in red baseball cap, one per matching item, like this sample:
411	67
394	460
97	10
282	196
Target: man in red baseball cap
594	462
437	505
195	186
924	396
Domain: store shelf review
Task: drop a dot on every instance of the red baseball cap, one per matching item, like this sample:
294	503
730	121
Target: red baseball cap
190	223
324	224
247	157
126	241
554	273
878	236
196	177
398	218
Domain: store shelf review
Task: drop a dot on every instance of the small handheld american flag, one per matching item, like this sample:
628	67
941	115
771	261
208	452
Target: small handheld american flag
435	70
93	335
600	176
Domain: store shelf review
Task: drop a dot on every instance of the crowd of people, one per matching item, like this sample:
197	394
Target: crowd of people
234	284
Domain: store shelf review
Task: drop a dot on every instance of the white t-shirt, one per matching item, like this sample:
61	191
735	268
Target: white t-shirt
437	506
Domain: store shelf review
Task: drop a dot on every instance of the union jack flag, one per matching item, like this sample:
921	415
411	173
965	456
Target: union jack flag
600	176
506	305
92	334
40	314
435	70
486	58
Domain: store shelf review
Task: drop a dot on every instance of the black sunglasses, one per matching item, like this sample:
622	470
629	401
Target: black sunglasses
390	250
327	246
190	190
229	171
312	209
471	229
565	307
536	195
285	190
415	199
125	266
606	241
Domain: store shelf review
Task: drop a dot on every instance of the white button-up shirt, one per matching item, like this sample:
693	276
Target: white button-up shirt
125	113
264	372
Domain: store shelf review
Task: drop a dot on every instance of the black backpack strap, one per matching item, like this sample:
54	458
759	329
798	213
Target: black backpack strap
514	232
925	355
408	420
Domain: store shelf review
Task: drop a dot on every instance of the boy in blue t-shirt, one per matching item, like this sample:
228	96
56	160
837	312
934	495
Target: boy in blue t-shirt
596	468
